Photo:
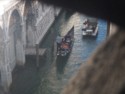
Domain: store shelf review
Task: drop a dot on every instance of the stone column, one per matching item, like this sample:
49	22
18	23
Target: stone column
23	40
24	31
6	76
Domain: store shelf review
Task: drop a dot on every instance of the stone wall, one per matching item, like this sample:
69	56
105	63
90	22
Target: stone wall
12	50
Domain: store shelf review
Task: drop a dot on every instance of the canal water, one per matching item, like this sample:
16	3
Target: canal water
54	72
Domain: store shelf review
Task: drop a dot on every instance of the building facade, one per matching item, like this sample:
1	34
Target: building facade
22	25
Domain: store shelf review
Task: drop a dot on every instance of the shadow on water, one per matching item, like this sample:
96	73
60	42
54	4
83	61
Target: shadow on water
26	79
61	63
90	37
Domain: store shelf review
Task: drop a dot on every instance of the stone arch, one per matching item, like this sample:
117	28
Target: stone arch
10	15
30	16
15	39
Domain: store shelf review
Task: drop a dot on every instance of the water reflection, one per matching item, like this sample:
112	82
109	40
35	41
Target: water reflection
60	65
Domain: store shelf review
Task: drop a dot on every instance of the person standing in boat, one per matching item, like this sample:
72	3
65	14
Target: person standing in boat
58	42
68	40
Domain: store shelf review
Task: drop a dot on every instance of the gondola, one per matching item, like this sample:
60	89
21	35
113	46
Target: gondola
64	47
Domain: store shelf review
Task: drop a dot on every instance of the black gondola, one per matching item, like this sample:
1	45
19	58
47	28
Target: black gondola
65	44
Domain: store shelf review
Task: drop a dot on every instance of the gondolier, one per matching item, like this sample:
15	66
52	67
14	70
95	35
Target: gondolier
58	41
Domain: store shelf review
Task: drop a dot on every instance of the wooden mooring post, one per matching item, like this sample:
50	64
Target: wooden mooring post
37	55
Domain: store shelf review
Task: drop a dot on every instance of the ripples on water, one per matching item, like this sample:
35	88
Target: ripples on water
63	68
